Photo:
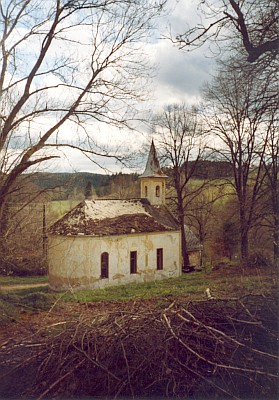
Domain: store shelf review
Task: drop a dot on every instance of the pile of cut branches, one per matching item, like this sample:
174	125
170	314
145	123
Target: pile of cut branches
207	349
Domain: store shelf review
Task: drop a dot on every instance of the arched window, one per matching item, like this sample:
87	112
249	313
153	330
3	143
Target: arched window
145	191
104	265
157	191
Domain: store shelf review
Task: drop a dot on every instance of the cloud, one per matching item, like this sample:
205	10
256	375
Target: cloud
71	160
178	79
180	74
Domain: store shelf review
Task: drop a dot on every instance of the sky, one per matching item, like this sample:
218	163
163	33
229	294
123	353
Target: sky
178	78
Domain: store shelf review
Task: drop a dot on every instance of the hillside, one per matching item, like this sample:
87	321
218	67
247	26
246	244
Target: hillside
209	169
69	181
65	184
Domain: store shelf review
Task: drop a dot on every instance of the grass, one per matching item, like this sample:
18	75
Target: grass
114	337
61	207
29	300
21	280
8	311
229	282
192	283
223	284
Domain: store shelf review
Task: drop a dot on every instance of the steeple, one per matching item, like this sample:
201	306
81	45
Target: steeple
153	180
152	168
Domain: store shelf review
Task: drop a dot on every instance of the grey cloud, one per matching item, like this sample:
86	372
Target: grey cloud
184	73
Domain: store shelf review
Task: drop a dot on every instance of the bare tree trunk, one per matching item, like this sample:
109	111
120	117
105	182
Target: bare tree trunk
185	256
244	247
276	239
4	217
244	227
181	218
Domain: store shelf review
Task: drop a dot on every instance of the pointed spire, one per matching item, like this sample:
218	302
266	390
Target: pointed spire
152	168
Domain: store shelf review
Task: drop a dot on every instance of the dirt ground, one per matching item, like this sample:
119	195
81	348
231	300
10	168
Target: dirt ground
11	288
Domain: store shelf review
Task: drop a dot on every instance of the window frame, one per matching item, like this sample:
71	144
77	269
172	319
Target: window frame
133	262
105	265
145	191
160	259
158	191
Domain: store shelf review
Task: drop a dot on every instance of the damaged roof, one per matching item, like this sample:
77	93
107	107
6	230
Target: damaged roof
114	217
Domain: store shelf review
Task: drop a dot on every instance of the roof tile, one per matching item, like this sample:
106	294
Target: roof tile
115	217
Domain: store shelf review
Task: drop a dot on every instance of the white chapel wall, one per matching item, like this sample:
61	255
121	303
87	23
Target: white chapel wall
75	261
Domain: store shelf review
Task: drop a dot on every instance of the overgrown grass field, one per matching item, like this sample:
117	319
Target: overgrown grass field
228	282
193	285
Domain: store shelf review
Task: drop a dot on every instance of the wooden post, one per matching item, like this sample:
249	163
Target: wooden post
44	232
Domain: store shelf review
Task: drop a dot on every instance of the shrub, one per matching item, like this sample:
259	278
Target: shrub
8	310
23	266
38	301
258	260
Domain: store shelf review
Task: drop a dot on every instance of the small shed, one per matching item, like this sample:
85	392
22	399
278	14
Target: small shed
194	247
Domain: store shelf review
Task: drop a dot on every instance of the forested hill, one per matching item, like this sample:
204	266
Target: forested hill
69	181
69	185
206	169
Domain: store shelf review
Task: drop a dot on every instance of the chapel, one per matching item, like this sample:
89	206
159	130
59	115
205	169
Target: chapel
101	243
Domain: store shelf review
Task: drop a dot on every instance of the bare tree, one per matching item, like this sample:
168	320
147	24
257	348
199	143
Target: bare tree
247	27
66	64
238	116
123	186
253	22
271	166
201	215
179	136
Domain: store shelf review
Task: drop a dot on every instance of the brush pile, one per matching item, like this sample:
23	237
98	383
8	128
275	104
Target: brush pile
173	349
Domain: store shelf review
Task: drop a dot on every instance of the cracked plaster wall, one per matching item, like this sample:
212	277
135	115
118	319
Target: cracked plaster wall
74	261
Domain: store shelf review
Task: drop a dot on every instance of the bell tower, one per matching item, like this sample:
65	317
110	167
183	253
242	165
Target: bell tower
153	180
